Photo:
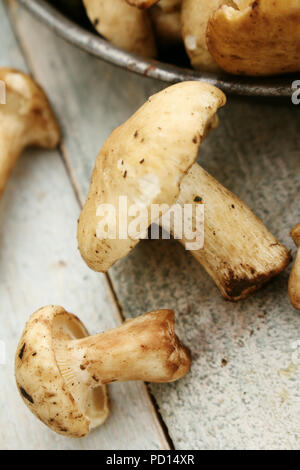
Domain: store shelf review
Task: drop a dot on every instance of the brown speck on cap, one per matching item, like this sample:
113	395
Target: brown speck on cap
26	395
22	350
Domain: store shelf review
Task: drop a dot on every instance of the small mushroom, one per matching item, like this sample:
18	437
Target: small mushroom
194	18
150	159
124	26
256	37
294	282
142	4
26	119
61	371
166	20
166	5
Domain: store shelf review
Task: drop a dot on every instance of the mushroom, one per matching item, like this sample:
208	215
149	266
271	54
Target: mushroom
194	18
26	119
256	37
142	3
294	282
166	5
150	159
123	25
61	371
166	20
169	5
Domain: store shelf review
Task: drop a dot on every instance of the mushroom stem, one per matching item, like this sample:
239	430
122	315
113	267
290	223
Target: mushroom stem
239	252
145	348
294	281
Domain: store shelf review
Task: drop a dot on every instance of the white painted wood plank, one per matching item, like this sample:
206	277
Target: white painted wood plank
253	401
40	265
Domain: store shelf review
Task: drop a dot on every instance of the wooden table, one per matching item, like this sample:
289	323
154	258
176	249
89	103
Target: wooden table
243	391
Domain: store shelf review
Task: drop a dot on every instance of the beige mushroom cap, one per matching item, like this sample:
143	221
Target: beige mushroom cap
194	18
42	386
256	37
123	25
165	5
169	5
294	281
27	108
295	234
142	3
145	159
166	20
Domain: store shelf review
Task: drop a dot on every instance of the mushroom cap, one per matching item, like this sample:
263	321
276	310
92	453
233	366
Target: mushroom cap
295	234
169	5
166	20
142	3
123	25
194	18
257	37
294	280
27	108
145	160
42	386
165	5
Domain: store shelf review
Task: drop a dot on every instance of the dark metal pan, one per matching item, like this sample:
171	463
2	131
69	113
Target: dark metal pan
68	19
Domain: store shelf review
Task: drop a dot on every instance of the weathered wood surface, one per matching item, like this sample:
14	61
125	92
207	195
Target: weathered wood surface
243	391
40	265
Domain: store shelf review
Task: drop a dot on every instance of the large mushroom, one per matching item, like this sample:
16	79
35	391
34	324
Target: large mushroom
256	37
294	281
150	160
123	25
61	371
194	18
26	119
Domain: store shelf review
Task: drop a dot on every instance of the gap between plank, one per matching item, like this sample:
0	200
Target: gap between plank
166	442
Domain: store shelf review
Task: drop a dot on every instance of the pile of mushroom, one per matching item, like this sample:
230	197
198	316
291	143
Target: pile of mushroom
249	37
26	119
62	372
150	159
